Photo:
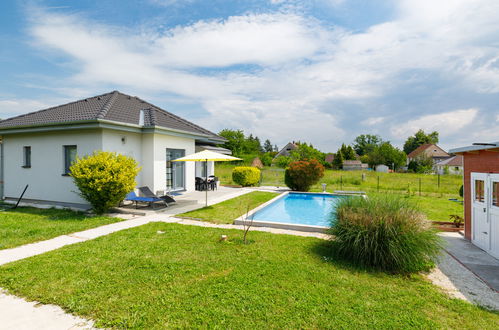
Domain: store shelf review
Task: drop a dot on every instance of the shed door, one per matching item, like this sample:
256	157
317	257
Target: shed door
494	214
479	214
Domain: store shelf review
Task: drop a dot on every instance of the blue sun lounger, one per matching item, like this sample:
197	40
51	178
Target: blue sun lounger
137	199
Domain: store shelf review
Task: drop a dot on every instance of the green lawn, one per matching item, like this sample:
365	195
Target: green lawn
186	278
229	210
27	225
438	209
405	183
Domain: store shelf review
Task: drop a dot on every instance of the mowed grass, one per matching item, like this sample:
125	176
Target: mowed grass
406	183
27	225
229	210
187	278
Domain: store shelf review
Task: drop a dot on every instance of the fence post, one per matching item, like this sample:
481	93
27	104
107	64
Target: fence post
378	183
419	186
341	182
438	181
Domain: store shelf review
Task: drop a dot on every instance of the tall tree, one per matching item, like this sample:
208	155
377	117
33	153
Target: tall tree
267	146
418	139
235	141
388	155
338	160
365	143
347	152
307	151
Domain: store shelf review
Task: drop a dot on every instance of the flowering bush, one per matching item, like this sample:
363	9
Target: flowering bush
303	174
104	178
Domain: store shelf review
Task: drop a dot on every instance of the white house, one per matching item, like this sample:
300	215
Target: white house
38	147
453	165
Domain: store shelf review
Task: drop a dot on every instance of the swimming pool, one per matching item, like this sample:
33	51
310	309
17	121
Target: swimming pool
297	211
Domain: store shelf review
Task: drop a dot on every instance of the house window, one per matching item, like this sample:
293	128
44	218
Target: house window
27	157
479	191
69	158
456	168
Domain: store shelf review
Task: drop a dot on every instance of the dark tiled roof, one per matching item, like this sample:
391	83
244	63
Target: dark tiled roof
114	106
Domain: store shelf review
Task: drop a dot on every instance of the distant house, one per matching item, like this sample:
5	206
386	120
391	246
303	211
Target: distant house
429	150
286	151
452	165
329	158
354	165
38	148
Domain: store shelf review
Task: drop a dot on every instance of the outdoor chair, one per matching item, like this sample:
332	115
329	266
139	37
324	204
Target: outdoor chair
146	192
201	184
138	199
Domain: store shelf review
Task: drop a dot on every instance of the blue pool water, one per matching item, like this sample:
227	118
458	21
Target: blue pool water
299	208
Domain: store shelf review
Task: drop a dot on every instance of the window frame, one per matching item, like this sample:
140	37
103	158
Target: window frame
65	154
26	157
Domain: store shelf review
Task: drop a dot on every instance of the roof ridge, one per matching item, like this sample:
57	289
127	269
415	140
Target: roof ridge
152	115
54	107
185	121
105	108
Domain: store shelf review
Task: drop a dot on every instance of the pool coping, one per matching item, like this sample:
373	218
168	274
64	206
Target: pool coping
283	225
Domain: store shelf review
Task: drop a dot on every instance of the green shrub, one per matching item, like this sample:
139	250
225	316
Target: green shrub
384	232
267	158
104	178
282	161
246	176
301	175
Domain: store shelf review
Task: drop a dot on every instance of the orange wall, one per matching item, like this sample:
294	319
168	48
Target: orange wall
482	162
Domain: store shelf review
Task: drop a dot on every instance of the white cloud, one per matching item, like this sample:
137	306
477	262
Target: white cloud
445	123
299	68
14	107
373	121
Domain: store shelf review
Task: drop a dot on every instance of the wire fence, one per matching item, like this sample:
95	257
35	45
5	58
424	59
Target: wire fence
409	183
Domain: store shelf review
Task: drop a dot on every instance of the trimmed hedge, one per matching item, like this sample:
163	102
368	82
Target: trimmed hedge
246	175
104	178
384	232
303	174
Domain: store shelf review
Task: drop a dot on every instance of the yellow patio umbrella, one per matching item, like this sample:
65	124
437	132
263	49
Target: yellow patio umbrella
206	156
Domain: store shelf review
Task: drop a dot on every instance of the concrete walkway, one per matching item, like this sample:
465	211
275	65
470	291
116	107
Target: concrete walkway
19	314
476	260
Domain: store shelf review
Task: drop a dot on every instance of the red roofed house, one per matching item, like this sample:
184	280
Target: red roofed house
429	150
481	195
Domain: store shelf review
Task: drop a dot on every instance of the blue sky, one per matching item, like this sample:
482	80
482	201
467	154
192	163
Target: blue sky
321	71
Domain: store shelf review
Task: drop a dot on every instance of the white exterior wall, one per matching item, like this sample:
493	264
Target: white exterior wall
45	178
125	143
199	169
160	144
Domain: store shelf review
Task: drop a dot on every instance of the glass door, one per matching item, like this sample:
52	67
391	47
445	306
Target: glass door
175	171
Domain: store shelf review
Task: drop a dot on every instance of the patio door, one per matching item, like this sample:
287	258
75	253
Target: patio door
175	171
479	210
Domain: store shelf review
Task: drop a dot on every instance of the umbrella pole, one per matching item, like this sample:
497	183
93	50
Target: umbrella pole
206	166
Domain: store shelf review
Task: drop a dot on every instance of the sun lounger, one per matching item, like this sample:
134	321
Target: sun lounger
139	199
146	192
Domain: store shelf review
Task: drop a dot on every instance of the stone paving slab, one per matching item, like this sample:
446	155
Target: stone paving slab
475	259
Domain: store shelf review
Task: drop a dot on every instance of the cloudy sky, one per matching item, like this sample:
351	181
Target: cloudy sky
321	71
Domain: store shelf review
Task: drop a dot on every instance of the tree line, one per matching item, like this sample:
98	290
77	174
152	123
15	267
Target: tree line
368	148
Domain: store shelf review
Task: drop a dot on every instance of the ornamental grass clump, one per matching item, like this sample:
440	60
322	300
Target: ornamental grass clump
385	233
104	178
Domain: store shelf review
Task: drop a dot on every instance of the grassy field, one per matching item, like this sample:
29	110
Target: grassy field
434	202
186	278
404	183
229	210
27	225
